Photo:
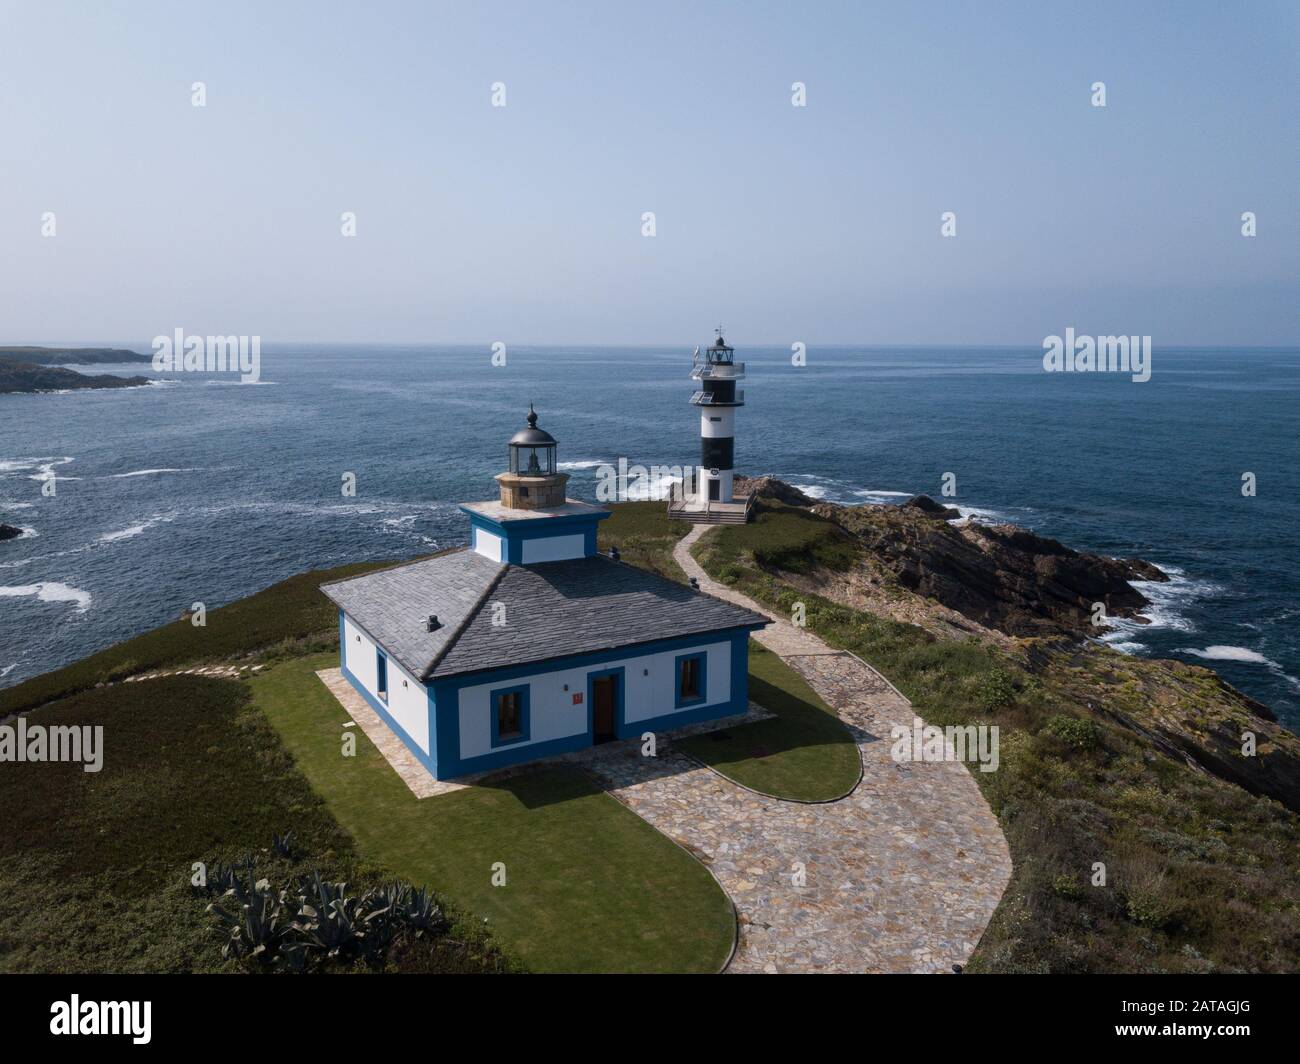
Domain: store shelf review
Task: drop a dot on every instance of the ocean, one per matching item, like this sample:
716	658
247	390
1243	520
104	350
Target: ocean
204	489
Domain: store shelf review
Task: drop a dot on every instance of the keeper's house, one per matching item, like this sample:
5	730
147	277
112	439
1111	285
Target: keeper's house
528	643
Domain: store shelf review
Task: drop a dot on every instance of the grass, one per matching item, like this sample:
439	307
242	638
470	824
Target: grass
645	536
590	886
292	615
1200	874
790	539
95	867
804	754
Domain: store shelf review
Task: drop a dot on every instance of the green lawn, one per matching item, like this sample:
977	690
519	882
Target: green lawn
95	867
805	753
644	536
590	886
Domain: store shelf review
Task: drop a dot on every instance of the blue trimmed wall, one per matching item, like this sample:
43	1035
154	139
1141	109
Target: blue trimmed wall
443	760
514	533
445	695
428	760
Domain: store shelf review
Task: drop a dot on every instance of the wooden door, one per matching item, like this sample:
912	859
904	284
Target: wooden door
604	691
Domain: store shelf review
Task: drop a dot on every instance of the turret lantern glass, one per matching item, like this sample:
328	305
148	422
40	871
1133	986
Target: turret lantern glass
532	450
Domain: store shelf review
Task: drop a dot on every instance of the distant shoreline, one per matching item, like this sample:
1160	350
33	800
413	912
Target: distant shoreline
35	370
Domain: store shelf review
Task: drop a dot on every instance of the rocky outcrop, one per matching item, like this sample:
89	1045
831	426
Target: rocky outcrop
27	377
1033	596
771	488
926	505
999	576
9	532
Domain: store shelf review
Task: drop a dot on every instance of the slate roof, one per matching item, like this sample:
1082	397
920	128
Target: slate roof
553	609
392	605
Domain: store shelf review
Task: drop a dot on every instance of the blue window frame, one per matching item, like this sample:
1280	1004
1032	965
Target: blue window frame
690	679
381	675
509	709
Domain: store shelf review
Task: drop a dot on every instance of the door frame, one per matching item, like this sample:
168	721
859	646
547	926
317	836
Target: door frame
620	695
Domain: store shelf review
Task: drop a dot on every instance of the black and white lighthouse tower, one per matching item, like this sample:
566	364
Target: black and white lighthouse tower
718	398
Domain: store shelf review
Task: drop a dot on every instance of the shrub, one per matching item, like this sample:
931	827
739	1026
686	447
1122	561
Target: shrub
1066	885
1077	733
996	689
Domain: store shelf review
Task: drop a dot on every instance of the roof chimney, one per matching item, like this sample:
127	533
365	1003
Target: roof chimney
432	625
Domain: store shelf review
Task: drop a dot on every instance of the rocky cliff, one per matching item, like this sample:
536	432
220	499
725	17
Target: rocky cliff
1033	598
1000	576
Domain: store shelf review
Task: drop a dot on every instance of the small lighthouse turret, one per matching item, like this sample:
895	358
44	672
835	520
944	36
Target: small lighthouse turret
533	521
532	481
718	399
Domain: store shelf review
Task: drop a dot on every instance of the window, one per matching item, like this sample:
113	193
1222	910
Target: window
509	708
690	679
381	675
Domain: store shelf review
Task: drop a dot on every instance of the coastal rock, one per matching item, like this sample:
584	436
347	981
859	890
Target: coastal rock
9	532
1032	597
31	378
927	505
1002	576
771	488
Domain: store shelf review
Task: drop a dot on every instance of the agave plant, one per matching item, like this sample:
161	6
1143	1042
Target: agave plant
422	913
328	919
221	878
283	845
251	917
317	921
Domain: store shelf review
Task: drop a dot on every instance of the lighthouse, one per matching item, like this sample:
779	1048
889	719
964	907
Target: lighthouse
716	372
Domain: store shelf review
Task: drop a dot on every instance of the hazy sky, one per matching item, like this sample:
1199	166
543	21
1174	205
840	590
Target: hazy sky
523	223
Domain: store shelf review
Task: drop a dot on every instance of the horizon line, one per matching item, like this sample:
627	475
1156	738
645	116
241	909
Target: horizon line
854	344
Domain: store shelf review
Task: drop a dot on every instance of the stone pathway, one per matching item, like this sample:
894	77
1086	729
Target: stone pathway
900	876
220	672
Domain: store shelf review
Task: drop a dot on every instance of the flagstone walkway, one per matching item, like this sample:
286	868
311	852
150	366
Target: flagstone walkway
902	875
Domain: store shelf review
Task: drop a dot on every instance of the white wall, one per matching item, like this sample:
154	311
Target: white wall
408	701
724	425
554	548
488	544
552	714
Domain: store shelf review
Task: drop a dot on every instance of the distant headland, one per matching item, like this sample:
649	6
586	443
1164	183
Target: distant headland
41	369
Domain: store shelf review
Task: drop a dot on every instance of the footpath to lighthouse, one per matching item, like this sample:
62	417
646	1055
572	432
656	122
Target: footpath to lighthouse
901	875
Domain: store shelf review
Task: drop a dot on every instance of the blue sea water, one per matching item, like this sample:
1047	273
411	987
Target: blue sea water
204	489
